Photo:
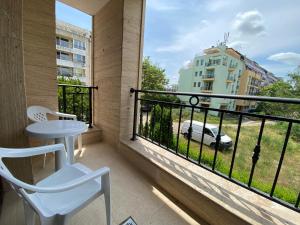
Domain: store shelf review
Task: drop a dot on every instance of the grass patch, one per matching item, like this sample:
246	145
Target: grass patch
271	146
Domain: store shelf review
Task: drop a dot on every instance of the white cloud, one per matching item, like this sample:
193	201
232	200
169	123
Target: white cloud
290	58
249	23
161	5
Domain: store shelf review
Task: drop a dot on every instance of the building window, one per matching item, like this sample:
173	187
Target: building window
79	44
79	58
64	71
202	62
79	72
197	63
63	56
195	83
200	73
63	42
196	74
199	84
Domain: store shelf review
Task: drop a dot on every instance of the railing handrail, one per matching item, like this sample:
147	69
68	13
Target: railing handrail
81	86
158	138
242	97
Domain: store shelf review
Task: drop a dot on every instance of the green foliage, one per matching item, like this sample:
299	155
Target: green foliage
154	78
287	89
161	126
78	103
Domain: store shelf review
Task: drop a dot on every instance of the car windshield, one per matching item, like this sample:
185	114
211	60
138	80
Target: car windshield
216	130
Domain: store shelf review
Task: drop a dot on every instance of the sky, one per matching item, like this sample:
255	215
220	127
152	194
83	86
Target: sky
175	31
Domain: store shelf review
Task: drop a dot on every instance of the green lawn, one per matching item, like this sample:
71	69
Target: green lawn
289	180
272	141
199	116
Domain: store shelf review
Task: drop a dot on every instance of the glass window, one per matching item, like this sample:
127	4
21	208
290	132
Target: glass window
64	71
208	132
79	58
195	83
79	44
199	84
197	63
196	74
200	73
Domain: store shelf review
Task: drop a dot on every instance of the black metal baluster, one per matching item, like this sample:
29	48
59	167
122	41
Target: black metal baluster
82	114
190	133
90	108
74	100
178	130
169	126
235	144
287	136
202	136
255	156
141	120
160	123
152	122
218	139
298	201
64	95
134	113
147	124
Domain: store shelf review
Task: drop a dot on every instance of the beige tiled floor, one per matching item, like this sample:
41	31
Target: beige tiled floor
132	194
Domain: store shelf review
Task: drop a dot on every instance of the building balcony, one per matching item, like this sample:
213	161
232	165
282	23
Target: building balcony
208	77
70	63
230	79
232	66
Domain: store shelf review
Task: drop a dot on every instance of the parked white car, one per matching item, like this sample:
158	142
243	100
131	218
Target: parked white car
210	134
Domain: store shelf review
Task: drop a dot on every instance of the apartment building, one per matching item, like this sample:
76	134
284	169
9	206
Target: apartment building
223	70
73	49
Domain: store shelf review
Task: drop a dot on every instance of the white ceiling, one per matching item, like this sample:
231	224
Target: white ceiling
90	7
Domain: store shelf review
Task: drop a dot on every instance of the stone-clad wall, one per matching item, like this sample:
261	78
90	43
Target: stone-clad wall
12	85
40	53
108	28
117	62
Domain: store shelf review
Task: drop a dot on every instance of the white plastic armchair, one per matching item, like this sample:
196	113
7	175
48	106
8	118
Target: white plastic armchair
56	198
39	114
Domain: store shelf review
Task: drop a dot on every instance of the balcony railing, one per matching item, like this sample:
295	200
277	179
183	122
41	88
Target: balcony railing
208	76
77	99
156	125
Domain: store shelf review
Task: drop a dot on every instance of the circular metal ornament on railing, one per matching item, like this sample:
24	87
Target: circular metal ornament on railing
77	90
192	99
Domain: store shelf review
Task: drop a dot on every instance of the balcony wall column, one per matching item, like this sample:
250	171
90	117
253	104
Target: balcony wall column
13	117
117	40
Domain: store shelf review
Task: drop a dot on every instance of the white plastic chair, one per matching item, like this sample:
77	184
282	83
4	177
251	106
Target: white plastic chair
56	198
39	114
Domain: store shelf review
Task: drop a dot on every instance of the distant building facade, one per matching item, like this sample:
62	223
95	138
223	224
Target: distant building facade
223	70
73	52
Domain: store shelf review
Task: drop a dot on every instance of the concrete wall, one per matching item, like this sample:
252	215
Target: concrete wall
40	53
117	61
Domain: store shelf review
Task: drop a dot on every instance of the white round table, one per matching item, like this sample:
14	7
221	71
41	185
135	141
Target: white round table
62	131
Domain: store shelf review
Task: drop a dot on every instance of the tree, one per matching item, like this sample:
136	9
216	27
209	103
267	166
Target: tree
160	128
77	99
286	89
154	78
